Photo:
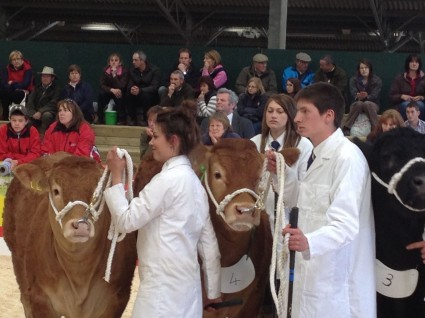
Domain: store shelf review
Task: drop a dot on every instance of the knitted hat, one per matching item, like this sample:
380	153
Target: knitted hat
16	109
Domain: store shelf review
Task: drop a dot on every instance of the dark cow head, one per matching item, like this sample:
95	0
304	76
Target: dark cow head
397	162
69	182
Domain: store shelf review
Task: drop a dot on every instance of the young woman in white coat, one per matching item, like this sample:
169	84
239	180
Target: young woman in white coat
334	241
171	215
278	125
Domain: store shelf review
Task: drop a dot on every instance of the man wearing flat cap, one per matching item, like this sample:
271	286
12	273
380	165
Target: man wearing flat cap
300	70
42	102
258	69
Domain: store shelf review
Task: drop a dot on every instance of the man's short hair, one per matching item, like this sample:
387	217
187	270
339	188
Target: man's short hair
179	73
185	50
328	59
413	105
233	98
324	96
142	55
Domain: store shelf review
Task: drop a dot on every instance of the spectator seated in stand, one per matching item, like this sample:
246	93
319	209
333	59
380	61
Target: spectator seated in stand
214	68
412	113
207	99
19	141
16	81
293	86
329	72
365	88
43	100
389	119
80	91
70	133
142	89
178	91
218	128
259	69
409	86
300	70
251	103
113	84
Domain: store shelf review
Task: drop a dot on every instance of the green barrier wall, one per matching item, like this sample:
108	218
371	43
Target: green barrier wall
92	58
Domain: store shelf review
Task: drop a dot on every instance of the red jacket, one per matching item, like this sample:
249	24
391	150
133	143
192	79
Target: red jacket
22	78
23	147
79	142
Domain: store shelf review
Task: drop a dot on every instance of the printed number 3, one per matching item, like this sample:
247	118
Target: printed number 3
389	279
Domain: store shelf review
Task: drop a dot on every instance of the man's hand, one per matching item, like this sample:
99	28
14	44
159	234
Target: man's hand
418	245
271	160
37	116
297	241
171	89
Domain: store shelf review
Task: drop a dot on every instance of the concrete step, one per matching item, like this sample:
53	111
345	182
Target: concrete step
126	137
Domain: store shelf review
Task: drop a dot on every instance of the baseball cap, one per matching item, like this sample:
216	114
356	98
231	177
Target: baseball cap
259	58
303	57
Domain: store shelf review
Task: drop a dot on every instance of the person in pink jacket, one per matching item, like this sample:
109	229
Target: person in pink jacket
214	69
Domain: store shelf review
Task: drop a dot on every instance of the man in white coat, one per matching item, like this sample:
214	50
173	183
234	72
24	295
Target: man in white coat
334	267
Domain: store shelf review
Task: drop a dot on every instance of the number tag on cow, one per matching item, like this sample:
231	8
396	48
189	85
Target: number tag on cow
395	284
237	277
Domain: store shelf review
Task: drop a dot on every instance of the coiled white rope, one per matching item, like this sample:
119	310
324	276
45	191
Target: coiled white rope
97	203
279	263
392	185
113	233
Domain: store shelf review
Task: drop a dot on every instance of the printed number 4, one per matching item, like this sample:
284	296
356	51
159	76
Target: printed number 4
234	280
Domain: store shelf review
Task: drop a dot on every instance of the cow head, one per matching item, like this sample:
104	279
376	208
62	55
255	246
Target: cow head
69	183
397	162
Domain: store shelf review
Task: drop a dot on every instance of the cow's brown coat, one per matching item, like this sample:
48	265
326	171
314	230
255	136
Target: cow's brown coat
57	277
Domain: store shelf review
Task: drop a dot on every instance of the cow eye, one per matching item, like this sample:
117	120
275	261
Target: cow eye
217	175
55	192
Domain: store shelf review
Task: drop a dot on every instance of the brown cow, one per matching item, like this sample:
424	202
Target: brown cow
60	270
230	165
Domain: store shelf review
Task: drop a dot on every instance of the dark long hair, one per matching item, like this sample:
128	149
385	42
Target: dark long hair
292	138
180	122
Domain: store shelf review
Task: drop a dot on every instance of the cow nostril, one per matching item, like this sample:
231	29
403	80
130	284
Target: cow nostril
245	210
418	181
80	222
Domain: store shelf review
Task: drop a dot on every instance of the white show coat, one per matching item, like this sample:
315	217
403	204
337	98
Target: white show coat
335	278
172	216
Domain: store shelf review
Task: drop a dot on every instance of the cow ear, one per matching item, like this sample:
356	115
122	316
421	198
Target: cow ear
199	158
291	155
32	177
365	147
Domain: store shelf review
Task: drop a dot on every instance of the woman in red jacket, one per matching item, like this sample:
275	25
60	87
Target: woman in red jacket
70	132
17	81
19	141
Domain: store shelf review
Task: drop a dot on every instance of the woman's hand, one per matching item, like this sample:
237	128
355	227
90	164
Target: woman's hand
116	165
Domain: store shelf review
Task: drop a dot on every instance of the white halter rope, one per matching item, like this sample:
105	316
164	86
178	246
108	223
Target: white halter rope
392	186
220	207
95	208
280	263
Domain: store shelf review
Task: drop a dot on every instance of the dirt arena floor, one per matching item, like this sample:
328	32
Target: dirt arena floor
10	305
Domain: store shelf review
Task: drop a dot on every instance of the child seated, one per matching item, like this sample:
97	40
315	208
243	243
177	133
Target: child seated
19	141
